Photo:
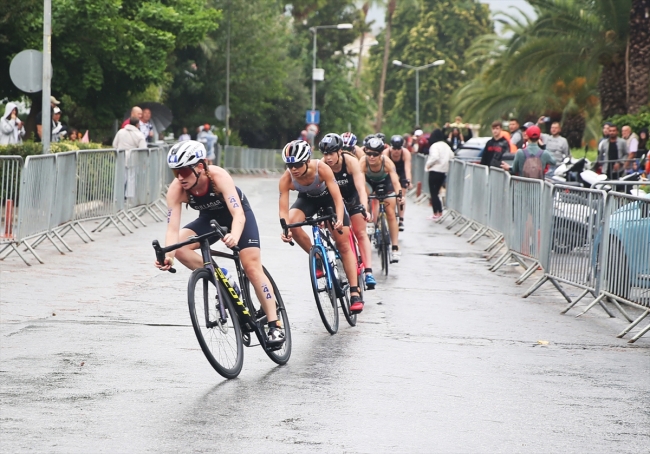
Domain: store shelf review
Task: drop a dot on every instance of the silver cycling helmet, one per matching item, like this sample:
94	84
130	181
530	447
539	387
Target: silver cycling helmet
186	154
296	151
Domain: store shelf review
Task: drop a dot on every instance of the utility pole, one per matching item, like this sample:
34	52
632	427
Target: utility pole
228	79
47	75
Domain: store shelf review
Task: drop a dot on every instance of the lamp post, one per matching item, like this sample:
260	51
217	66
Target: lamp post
417	82
314	30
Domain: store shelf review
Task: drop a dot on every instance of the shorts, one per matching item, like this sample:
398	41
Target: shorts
250	236
353	206
311	205
383	187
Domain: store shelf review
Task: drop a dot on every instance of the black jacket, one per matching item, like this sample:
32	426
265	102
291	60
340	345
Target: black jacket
493	152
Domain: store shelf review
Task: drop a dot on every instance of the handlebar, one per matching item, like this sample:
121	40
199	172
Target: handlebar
218	230
331	216
384	197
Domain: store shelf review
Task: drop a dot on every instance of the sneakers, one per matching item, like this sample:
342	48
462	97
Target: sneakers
394	256
370	281
401	226
275	337
356	305
434	217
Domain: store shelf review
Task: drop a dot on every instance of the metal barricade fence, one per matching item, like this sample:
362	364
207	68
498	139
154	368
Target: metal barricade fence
623	257
499	204
465	197
454	192
478	210
36	200
571	225
252	160
524	236
10	177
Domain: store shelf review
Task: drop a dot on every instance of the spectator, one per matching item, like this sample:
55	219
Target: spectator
58	129
516	137
146	126
642	151
130	136
612	153
408	142
495	148
605	136
437	165
632	142
74	135
39	119
458	123
455	139
207	138
556	144
531	161
416	135
185	136
12	129
304	135
136	112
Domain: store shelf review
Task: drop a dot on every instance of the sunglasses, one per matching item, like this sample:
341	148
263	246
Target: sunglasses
372	154
294	165
184	172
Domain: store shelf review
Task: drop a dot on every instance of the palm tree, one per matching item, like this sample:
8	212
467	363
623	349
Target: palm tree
364	28
639	56
390	10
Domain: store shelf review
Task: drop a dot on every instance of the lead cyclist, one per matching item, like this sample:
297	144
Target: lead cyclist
212	191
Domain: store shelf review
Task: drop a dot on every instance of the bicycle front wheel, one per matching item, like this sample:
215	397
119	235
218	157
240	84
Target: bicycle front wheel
220	339
385	244
344	300
324	295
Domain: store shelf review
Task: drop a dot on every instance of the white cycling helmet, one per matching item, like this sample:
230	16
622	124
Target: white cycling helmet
185	154
296	151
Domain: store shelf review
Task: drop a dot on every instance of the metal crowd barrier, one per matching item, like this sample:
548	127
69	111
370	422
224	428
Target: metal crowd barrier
498	216
454	190
10	176
573	222
524	235
252	160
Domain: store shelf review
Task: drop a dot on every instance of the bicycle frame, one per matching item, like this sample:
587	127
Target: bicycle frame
354	245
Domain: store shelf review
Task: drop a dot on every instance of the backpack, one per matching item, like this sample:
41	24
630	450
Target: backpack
423	144
533	167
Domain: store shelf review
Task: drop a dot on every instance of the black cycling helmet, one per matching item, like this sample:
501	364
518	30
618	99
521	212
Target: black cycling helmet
375	144
382	136
397	142
331	143
367	138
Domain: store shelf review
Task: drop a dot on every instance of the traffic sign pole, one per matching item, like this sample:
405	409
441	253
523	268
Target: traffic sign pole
46	121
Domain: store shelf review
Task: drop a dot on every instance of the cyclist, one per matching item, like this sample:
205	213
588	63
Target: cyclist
211	190
317	188
402	160
381	175
350	145
352	185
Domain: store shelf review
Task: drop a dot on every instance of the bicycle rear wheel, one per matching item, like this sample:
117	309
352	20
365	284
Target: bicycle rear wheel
281	355
221	343
344	300
324	296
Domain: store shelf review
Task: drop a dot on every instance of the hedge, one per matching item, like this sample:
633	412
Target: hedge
36	148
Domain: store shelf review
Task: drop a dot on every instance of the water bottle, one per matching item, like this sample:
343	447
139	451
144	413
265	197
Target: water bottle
370	228
331	257
231	280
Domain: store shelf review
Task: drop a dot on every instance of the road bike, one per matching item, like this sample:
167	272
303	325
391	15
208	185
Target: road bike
328	279
224	317
381	235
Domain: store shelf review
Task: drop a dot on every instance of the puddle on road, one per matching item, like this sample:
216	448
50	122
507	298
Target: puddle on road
478	255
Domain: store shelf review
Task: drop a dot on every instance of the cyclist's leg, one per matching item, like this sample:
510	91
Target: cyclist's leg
186	254
359	228
302	208
402	202
251	260
347	257
392	222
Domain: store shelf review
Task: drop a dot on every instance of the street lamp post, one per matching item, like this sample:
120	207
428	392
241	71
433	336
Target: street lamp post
417	83
314	30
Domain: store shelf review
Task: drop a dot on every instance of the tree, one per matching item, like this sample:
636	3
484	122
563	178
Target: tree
638	82
104	52
390	10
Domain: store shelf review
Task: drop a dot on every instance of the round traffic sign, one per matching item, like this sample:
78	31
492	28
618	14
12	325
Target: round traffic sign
312	129
26	71
220	112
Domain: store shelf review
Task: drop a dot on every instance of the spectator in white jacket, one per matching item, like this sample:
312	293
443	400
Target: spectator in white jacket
437	165
129	137
12	129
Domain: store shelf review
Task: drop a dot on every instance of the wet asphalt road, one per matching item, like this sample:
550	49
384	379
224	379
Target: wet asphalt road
97	354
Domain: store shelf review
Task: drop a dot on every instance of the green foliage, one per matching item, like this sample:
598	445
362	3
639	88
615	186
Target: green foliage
636	122
103	52
35	148
424	31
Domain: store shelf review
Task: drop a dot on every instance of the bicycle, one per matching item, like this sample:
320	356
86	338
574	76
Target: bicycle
382	232
331	283
223	318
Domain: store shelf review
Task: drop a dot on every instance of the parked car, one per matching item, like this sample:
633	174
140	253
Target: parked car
471	150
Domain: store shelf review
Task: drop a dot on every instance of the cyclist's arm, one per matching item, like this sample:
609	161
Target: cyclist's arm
327	175
406	156
354	168
175	196
285	186
359	152
390	168
226	186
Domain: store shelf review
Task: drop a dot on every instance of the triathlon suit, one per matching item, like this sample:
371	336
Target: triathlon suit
314	196
379	181
399	167
213	206
348	189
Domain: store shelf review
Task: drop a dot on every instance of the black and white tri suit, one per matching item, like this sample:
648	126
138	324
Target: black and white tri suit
399	167
314	196
348	189
213	206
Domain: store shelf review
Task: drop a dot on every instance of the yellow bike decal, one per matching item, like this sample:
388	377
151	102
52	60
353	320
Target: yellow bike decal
232	291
